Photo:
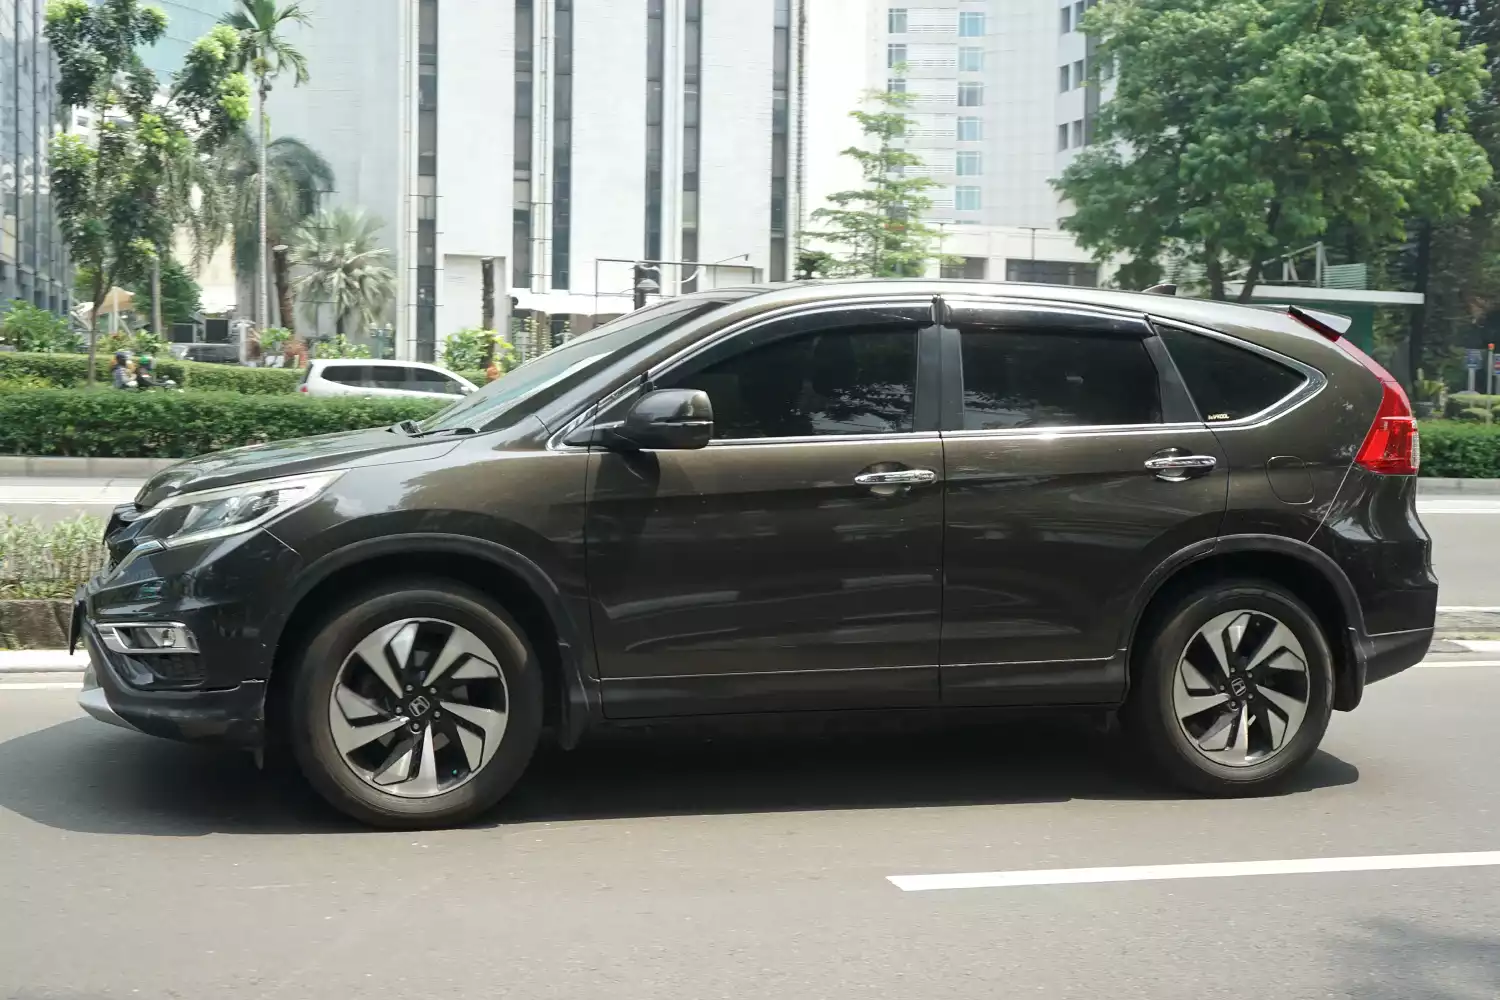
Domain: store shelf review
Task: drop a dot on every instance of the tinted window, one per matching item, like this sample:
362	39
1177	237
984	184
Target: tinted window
1018	379
855	381
387	377
426	380
346	374
1228	382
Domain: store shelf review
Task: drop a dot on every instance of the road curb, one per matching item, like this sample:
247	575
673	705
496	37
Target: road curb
42	661
49	467
1436	486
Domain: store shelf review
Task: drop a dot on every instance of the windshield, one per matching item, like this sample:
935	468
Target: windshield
541	378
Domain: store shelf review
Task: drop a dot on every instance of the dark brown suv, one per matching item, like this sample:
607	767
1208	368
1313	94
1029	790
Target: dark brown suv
864	495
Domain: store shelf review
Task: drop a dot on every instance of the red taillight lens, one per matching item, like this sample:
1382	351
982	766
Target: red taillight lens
1393	446
302	387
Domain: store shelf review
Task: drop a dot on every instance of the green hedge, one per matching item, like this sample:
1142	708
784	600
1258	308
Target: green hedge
1452	450
477	376
1459	402
70	371
179	424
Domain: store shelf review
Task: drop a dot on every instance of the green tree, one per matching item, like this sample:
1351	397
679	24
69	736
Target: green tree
474	348
296	175
879	226
345	265
120	198
181	297
1242	129
265	54
26	327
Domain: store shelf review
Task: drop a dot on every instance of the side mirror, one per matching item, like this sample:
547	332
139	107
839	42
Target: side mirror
667	420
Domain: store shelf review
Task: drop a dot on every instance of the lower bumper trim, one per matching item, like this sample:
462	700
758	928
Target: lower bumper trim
93	701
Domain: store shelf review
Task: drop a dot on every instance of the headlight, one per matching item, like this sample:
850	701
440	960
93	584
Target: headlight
231	510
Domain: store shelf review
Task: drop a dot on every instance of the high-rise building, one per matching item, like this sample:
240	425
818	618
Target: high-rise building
999	100
187	21
33	260
563	140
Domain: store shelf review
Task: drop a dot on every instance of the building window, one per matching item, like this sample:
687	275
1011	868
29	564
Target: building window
1064	79
427	153
971	24
971	59
895	54
562	144
1078	73
895	20
965	267
966	199
1066	19
692	68
1062	137
520	244
895	85
1078	8
1078	132
970	129
655	74
968	163
970	95
1053	272
781	57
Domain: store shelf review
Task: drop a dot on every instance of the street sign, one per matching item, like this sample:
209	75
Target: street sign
1473	359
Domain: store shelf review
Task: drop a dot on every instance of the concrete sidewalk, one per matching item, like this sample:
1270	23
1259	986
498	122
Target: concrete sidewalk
42	661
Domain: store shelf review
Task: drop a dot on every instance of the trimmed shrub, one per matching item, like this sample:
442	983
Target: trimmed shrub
1476	415
70	371
180	424
475	375
1458	402
235	378
1453	450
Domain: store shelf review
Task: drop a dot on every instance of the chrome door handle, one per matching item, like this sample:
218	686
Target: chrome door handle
1181	462
901	477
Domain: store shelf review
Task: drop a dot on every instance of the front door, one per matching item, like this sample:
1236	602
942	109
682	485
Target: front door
1076	466
795	562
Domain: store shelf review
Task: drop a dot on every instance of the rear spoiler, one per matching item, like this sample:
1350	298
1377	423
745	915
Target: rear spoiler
1332	326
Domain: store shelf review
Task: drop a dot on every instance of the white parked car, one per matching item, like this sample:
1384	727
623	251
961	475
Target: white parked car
363	377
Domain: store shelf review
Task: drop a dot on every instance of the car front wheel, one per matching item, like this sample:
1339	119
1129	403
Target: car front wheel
417	705
1234	689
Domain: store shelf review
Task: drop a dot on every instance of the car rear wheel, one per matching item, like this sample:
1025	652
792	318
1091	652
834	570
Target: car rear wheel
417	705
1233	690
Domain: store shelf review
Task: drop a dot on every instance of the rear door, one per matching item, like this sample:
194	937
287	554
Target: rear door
1076	465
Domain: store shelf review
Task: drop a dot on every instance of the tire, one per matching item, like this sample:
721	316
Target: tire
1176	725
441	779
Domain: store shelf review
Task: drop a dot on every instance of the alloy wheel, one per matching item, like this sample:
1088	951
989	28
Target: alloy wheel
419	707
1241	688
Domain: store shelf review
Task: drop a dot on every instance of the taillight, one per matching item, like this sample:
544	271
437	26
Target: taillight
302	387
1392	447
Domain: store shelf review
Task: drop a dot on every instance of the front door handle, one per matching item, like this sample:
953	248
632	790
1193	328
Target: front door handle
1176	468
898	477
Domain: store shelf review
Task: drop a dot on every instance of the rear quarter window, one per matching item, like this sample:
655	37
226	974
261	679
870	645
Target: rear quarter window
1228	382
345	374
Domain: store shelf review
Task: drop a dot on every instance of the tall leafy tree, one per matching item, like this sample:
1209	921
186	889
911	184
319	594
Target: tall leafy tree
296	174
265	53
344	264
876	230
181	296
1240	129
120	197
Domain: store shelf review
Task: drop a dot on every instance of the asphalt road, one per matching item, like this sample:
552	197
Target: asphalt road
1465	529
676	866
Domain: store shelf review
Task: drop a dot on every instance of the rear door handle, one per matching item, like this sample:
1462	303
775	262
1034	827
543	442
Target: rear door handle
900	477
1176	468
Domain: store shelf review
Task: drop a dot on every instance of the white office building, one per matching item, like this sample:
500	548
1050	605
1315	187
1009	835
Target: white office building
999	107
563	139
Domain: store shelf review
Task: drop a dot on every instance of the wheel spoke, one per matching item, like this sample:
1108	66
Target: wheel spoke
425	781
490	726
1278	644
1216	736
349	737
1239	741
356	706
373	651
463	647
397	766
1205	655
1284	714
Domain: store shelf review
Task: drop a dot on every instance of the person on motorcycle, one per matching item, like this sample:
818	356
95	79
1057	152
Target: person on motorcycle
145	372
120	374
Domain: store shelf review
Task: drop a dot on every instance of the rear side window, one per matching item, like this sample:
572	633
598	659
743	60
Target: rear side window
345	374
1228	382
1017	379
387	377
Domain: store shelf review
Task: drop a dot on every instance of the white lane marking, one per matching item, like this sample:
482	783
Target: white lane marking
42	659
1218	869
1469	607
41	686
1478	645
1443	664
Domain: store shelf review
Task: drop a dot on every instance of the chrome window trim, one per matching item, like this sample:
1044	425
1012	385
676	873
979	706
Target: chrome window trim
1074	430
735	328
1315	382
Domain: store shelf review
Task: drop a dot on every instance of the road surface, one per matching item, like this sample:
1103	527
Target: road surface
684	867
1465	529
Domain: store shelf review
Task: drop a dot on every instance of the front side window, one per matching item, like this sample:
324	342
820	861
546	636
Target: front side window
1228	382
856	380
1017	379
971	24
347	374
427	380
387	377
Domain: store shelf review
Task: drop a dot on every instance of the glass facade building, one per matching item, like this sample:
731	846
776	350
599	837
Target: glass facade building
33	262
187	21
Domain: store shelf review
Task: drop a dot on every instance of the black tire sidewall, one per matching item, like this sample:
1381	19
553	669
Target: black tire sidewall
1152	714
312	739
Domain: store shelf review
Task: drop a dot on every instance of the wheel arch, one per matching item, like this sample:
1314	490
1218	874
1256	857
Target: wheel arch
514	580
1310	574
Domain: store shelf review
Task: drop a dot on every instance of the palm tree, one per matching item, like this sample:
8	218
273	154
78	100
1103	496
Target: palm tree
264	54
296	175
344	265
